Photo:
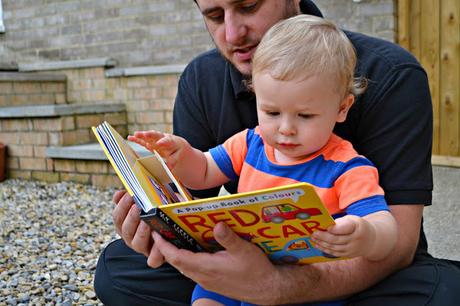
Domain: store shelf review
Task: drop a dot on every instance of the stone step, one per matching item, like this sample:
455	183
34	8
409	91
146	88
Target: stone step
53	110
56	125
92	151
9	66
105	62
31	77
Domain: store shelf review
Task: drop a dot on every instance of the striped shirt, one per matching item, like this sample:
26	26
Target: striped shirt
346	182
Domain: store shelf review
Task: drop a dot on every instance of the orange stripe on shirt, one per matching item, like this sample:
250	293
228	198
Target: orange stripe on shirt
357	183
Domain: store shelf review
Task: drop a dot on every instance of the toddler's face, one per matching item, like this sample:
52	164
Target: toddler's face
297	117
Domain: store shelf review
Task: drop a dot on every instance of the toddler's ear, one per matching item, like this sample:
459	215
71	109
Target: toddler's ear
345	105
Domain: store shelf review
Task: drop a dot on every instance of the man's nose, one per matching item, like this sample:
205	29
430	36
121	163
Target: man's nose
235	29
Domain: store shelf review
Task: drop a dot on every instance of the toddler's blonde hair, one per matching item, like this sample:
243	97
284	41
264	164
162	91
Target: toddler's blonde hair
305	45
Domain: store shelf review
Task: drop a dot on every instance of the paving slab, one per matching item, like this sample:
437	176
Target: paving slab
442	219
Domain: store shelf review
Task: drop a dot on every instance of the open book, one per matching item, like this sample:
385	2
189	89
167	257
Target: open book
278	220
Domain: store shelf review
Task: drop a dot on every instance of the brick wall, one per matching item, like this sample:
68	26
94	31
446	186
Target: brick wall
372	17
141	32
149	99
31	93
136	32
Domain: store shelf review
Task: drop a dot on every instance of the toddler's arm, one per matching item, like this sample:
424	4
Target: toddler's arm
373	236
195	169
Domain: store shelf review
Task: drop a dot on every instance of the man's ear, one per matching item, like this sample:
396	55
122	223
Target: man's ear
345	105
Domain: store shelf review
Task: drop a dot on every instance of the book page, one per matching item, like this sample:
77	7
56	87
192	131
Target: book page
123	158
156	165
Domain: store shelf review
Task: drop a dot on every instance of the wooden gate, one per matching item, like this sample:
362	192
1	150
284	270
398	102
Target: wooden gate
430	29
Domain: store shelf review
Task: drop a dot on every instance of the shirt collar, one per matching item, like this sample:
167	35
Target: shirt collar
237	79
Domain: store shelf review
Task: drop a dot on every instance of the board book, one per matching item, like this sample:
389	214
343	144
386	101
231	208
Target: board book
278	220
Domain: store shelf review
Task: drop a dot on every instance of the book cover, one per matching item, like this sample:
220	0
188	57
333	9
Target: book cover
278	220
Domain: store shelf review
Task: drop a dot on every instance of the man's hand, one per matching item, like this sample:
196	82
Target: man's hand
241	271
136	234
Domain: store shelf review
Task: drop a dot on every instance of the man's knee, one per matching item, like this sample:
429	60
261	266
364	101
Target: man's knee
123	278
103	281
429	281
448	285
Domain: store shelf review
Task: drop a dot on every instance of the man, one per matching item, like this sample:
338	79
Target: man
391	124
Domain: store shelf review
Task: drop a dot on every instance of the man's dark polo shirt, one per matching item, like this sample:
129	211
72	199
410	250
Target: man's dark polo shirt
390	124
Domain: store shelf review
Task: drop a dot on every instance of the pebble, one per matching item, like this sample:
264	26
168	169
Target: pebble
70	287
50	239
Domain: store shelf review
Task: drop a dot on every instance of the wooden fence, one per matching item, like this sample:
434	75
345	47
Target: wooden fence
430	29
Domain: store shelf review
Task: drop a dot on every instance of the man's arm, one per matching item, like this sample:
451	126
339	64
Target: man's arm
243	272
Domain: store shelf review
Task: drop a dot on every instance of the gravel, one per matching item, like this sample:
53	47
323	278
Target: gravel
51	237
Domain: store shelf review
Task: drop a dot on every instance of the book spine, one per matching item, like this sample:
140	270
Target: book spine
170	230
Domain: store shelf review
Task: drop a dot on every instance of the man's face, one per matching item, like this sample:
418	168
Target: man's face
237	26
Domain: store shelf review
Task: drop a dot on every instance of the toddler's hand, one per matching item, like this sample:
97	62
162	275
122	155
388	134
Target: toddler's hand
147	139
351	236
169	146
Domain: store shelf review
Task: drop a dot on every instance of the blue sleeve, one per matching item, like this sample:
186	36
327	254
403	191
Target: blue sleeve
223	161
367	206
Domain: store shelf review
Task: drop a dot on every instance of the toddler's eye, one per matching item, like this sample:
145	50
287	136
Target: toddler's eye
306	116
272	113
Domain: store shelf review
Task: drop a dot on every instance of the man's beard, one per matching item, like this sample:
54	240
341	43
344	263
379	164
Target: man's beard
289	11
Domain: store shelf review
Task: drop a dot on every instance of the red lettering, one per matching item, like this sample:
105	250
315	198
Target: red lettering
262	232
289	230
245	217
215	217
311	226
194	221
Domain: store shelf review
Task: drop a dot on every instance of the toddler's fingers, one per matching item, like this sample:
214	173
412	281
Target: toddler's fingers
334	239
149	145
149	136
344	226
137	140
331	249
167	145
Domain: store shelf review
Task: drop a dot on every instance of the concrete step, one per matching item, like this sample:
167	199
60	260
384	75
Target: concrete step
57	125
92	151
9	66
105	62
53	110
31	77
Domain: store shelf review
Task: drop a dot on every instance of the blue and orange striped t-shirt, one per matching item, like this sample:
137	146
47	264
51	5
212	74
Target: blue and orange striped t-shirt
346	182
